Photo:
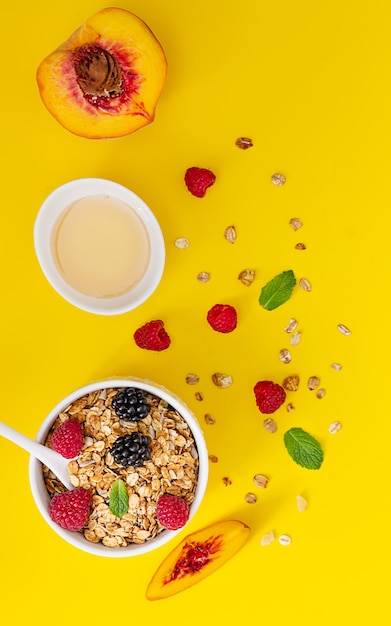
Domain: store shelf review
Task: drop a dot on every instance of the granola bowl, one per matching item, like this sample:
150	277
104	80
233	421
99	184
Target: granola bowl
177	465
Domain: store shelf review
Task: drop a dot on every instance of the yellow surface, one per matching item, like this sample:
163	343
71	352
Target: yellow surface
310	84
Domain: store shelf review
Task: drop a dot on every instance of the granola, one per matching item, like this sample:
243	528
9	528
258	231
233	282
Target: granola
173	467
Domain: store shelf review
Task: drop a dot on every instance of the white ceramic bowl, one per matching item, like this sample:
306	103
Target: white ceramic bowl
46	222
41	496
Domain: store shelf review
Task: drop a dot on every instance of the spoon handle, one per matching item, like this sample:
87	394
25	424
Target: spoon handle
46	455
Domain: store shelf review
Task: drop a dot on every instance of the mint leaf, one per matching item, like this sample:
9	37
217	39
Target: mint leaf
277	291
303	448
119	500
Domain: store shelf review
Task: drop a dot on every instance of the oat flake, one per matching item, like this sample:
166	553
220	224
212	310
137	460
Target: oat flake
270	425
292	325
213	458
285	540
244	143
250	498
278	180
261	481
192	379
320	394
230	234
291	383
285	356
344	330
301	503
199	396
335	427
290	408
300	246
203	277
182	243
313	382
295	223
295	338
305	284
209	418
246	277
336	366
268	538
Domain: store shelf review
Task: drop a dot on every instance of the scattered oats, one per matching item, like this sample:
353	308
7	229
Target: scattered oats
192	379
301	503
250	498
320	394
213	458
278	179
291	383
305	284
290	408
222	380
199	396
295	223
261	481
300	246
313	382
285	356
295	338
344	329
182	243
335	427
336	366
285	540
268	538
244	143
226	481
230	234
292	325
209	418
246	277
270	425
203	277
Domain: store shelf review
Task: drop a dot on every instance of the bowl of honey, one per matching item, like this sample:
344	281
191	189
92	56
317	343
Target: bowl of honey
99	245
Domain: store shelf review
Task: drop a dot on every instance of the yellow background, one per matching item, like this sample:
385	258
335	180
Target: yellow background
310	84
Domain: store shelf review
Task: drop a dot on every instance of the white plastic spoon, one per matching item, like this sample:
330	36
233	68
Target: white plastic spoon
53	460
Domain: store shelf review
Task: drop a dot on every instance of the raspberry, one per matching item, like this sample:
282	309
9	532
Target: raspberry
223	318
71	509
269	396
198	179
67	439
152	336
172	512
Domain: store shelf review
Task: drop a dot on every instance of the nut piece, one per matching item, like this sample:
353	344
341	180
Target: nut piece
199	396
270	425
292	325
213	458
261	481
285	540
250	498
209	418
226	481
285	356
300	246
291	383
305	284
268	538
246	277
192	379
230	234
222	380
335	427
295	223
344	329
203	277
301	503
313	382
244	143
278	179
182	243
290	408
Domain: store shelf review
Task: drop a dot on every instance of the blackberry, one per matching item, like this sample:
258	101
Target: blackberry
130	404
132	449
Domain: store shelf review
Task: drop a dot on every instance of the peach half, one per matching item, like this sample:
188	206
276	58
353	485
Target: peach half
106	79
197	556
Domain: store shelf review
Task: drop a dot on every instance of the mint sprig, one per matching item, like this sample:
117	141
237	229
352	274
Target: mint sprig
304	449
278	290
119	499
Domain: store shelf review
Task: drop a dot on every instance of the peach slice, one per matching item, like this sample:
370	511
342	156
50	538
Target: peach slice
198	555
106	79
